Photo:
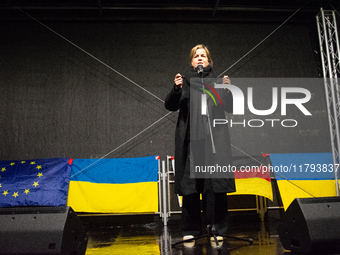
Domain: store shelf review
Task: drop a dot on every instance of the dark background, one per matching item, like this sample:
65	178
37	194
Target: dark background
59	101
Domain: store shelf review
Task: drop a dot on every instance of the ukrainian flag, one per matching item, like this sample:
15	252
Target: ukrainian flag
301	175
122	185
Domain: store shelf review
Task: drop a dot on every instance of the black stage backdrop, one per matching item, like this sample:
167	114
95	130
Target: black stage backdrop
59	101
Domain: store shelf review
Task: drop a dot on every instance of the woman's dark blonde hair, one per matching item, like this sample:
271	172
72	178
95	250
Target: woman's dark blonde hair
200	46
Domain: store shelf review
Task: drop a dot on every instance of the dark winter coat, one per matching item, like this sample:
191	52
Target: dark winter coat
184	158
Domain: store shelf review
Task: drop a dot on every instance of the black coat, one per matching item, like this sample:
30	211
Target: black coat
180	100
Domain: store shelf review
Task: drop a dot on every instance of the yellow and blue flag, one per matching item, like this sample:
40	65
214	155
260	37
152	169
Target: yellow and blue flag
39	182
301	175
120	185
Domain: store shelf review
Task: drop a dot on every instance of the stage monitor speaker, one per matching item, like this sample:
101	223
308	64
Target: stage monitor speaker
41	230
311	225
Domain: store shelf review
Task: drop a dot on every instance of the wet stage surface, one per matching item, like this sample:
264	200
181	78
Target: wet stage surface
148	235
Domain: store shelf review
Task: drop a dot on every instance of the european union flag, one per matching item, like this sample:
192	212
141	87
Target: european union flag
40	182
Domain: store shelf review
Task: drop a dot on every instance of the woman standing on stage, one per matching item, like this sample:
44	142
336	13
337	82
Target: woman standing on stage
200	139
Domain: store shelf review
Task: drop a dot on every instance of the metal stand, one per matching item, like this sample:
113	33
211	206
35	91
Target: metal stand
208	116
162	193
330	56
212	233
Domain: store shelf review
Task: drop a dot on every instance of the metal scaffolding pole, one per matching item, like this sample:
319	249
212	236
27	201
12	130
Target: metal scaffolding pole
330	57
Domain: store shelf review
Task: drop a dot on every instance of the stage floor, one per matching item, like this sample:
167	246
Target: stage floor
147	235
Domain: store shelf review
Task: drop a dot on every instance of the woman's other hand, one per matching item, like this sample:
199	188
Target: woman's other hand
226	80
178	81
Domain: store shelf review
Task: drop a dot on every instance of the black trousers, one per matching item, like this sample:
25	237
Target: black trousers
214	205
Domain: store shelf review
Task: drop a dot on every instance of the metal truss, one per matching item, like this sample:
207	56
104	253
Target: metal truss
330	57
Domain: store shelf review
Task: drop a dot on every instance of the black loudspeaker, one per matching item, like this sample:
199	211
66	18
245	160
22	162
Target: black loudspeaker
311	225
41	230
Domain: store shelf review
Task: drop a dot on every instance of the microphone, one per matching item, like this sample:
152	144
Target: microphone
199	68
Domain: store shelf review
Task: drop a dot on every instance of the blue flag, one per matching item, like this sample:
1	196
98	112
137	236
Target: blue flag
117	170
40	182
